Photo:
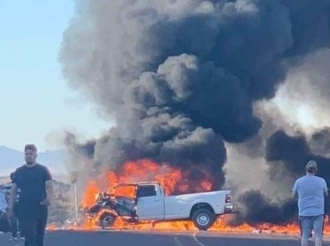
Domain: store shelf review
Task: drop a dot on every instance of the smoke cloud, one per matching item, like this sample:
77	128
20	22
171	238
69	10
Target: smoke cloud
180	78
295	152
294	131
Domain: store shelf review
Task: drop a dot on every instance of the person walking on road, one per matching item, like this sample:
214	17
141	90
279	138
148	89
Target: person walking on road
14	220
311	191
34	182
4	223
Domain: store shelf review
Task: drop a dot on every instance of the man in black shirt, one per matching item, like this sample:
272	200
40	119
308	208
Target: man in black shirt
34	182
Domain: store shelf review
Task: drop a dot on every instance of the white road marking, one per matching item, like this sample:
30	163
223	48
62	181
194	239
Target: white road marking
196	240
177	241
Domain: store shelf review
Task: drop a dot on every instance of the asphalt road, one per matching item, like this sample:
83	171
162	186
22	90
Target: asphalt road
69	238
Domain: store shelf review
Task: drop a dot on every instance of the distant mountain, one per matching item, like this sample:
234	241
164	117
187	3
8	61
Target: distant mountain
10	159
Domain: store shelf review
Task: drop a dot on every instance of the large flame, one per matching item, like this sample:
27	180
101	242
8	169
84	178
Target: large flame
173	180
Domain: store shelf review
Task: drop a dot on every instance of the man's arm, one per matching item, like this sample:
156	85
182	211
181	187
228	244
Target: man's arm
12	196
326	189
294	190
49	189
49	185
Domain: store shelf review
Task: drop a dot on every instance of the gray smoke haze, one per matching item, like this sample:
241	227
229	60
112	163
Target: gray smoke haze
180	77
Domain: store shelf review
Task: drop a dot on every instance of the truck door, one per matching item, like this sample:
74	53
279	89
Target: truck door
150	203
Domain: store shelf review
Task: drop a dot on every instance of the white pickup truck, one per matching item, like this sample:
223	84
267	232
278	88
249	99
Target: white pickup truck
148	202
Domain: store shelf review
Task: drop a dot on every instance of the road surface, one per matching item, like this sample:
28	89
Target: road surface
69	238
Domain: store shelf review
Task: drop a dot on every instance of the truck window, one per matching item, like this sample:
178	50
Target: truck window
146	190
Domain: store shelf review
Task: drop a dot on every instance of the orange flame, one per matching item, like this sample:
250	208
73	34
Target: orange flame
172	180
90	194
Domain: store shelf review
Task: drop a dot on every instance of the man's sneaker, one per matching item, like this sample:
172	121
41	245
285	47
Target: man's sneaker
13	239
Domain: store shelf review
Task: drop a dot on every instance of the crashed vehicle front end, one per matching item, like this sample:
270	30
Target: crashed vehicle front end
109	207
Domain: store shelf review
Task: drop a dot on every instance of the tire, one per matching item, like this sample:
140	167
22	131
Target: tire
107	220
203	218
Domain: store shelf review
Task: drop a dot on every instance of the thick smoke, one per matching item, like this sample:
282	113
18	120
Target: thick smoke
259	209
180	77
293	133
286	157
295	152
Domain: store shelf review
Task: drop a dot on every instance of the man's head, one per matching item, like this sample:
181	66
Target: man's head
311	167
30	154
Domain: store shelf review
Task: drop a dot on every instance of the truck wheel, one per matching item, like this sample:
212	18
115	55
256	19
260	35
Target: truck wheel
107	220
203	218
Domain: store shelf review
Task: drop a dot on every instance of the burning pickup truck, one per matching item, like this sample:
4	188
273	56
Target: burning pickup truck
147	202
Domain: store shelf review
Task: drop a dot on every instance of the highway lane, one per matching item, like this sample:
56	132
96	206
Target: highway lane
70	238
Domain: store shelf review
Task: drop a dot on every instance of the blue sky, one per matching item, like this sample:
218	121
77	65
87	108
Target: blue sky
35	99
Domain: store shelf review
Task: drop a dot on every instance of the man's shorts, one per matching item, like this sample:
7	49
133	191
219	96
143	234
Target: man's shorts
309	223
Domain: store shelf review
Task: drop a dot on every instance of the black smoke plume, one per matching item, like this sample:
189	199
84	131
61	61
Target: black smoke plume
295	152
287	156
179	78
258	209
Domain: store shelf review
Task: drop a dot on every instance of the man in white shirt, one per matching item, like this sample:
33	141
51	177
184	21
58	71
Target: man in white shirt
4	225
311	191
3	202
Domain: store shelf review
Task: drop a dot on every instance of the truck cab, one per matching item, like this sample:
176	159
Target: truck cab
150	201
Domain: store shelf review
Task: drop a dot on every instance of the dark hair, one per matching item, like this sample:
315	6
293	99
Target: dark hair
30	147
312	170
311	166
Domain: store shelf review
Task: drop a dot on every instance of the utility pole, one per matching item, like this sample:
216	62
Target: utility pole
73	180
